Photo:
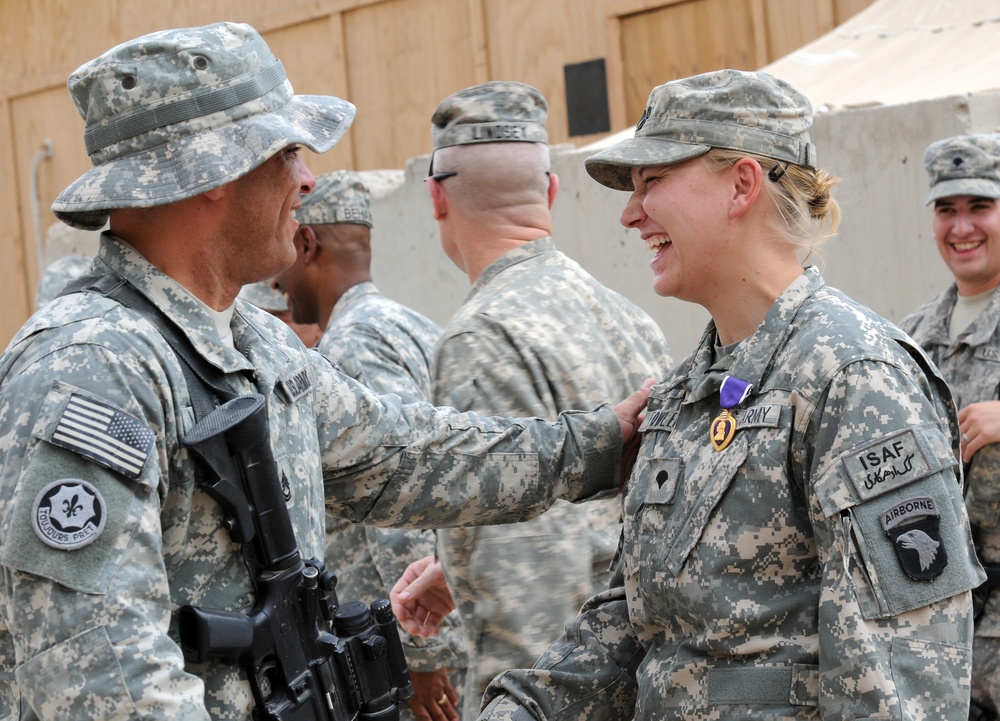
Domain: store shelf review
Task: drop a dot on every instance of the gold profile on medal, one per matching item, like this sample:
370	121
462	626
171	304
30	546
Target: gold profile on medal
723	430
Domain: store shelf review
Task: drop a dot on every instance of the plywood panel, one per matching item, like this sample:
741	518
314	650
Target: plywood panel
793	23
404	56
47	115
532	41
51	38
13	282
682	40
844	9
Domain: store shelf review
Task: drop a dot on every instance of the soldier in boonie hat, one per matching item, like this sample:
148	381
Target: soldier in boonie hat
176	113
964	165
339	197
751	111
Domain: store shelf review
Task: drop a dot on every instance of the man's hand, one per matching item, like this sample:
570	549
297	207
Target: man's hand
630	415
434	698
980	426
421	598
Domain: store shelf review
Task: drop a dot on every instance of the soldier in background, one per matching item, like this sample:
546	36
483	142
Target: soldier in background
535	336
104	529
387	347
960	330
262	295
795	543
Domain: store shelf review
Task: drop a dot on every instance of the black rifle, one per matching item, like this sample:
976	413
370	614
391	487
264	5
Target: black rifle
305	657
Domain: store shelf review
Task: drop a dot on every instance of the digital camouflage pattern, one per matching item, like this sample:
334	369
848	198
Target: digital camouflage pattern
964	165
381	343
262	295
215	96
760	581
339	197
387	347
89	632
971	365
492	112
535	336
58	274
750	111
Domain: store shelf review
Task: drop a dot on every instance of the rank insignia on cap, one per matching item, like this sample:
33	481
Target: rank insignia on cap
68	514
105	435
914	528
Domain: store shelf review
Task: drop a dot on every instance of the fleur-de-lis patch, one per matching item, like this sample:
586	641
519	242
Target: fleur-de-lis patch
69	514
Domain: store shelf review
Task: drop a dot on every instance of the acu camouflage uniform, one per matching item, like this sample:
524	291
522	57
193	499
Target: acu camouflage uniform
971	366
817	566
771	580
536	335
104	534
387	347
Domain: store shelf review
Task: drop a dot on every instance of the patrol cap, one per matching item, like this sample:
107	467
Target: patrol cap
493	112
964	165
178	112
262	295
339	197
749	111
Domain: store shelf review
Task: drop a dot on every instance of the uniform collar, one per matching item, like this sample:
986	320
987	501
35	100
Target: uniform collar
523	252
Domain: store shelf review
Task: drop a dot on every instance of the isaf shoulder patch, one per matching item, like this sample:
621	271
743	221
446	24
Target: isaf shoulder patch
105	435
913	526
68	514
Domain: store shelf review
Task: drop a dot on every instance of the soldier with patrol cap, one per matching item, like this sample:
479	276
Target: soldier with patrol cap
795	543
388	347
960	330
105	528
536	335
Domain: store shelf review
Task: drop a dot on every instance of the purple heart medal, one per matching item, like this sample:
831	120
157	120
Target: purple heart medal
723	429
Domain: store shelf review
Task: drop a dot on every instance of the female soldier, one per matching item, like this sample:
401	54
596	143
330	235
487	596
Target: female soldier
795	543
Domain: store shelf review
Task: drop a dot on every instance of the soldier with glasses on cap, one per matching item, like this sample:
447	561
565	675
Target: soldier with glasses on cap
795	543
960	330
106	529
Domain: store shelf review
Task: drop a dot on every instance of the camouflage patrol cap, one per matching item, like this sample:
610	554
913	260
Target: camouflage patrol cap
339	197
262	295
179	112
964	165
749	111
493	112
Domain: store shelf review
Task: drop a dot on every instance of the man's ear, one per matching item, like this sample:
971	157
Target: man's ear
439	198
307	244
748	181
553	189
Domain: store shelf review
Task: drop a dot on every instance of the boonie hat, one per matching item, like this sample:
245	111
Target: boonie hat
749	111
262	295
493	112
339	197
964	165
178	112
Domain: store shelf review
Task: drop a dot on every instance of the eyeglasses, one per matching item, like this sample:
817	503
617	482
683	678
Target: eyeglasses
439	176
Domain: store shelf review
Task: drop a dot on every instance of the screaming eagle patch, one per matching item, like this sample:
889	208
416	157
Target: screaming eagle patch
69	514
914	528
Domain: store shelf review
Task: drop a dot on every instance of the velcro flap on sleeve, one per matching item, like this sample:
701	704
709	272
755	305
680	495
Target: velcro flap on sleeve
891	461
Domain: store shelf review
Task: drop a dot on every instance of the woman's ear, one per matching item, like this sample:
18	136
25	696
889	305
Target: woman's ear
748	180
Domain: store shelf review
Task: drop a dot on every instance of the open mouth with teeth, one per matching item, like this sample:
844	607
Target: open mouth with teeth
961	247
657	243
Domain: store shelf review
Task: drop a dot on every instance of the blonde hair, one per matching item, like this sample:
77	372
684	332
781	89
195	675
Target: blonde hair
801	196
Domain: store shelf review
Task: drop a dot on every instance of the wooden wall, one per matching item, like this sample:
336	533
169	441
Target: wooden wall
395	59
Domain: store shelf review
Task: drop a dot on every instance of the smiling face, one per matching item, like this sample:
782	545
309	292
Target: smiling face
967	232
260	217
679	211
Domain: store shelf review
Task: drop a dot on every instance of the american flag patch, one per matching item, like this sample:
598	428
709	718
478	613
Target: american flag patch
105	435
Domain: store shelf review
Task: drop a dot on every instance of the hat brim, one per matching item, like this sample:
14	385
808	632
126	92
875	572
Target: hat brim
197	163
979	187
612	167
